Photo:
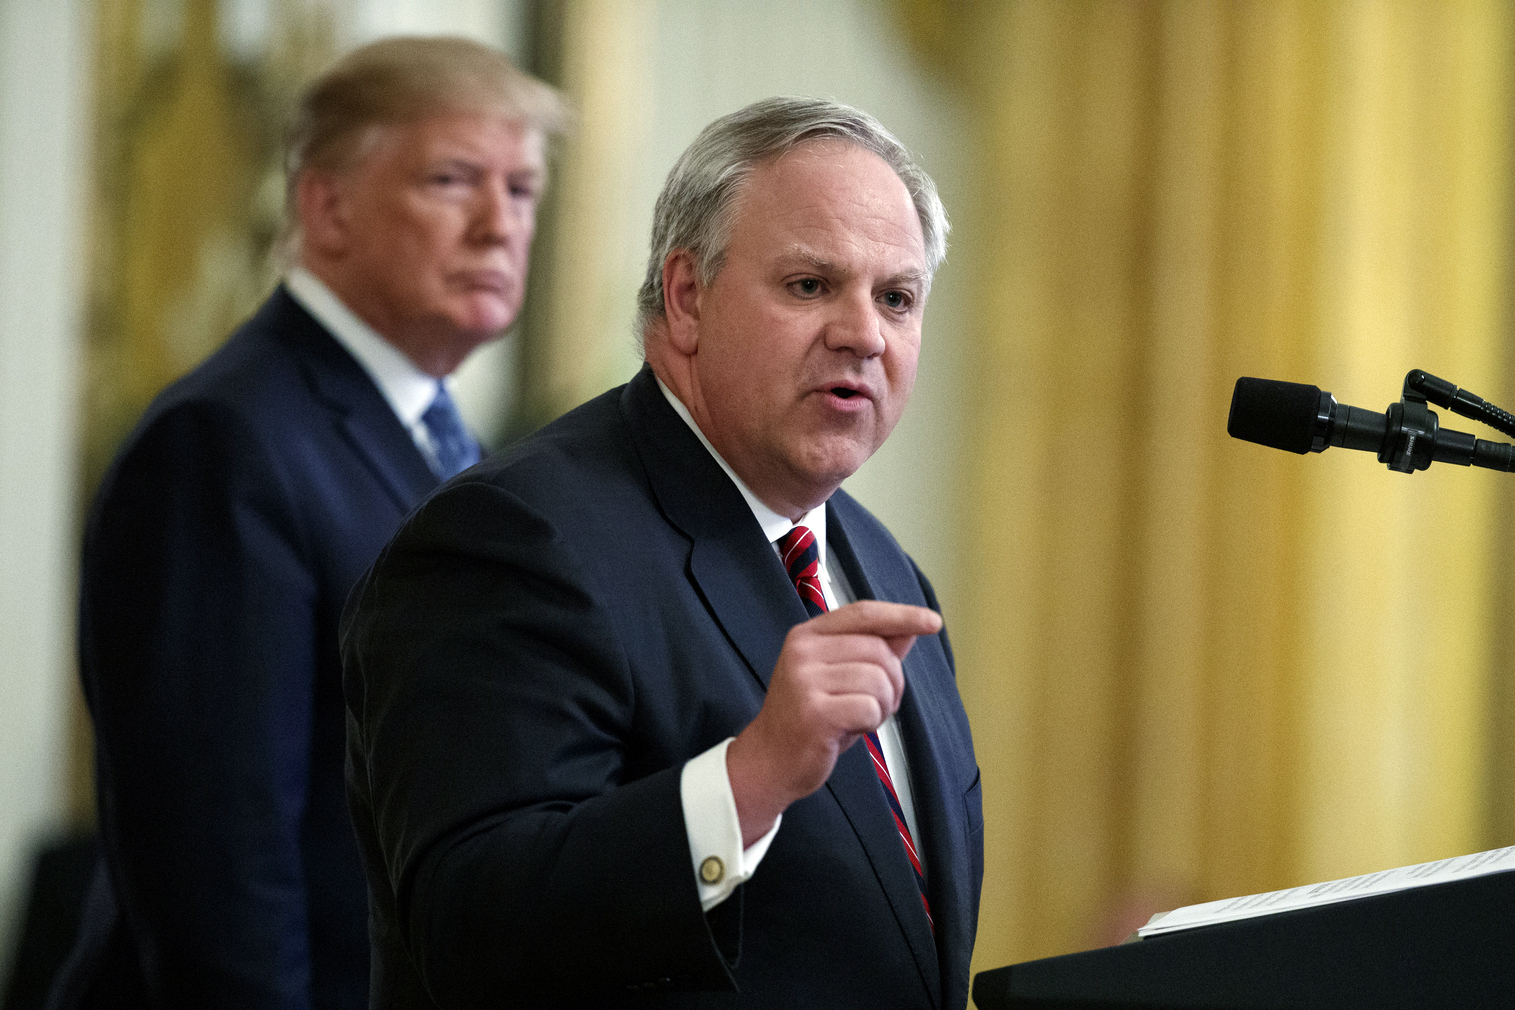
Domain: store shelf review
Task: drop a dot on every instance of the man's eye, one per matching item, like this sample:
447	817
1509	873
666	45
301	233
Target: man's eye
897	300
806	286
452	176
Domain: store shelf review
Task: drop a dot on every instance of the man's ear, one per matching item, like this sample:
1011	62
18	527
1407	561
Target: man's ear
681	301
322	206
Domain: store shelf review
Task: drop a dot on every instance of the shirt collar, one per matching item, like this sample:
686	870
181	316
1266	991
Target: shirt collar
408	389
774	525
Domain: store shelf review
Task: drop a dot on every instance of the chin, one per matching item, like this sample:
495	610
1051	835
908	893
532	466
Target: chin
486	322
825	475
841	455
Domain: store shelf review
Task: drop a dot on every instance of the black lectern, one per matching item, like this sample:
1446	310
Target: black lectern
1449	945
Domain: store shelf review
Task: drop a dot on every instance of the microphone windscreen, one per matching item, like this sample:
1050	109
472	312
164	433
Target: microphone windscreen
1273	413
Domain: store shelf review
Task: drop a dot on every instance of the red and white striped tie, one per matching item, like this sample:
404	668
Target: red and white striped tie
802	559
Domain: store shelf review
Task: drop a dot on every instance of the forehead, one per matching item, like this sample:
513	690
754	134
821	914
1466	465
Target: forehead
494	139
828	198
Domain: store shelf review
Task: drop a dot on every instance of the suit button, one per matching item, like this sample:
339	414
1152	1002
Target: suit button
712	870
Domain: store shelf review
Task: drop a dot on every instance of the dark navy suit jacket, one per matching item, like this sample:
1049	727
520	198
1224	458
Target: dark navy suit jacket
528	667
217	559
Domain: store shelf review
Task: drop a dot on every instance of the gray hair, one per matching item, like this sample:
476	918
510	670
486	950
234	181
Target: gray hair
694	210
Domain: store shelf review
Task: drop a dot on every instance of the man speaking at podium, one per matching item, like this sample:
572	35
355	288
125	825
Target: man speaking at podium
646	712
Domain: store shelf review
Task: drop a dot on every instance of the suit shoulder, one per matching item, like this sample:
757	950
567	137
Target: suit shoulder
262	366
574	487
587	448
235	412
266	383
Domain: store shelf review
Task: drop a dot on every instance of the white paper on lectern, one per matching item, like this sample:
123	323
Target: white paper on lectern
1400	879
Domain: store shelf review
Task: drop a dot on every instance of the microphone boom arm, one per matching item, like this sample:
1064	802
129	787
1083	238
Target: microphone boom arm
1423	386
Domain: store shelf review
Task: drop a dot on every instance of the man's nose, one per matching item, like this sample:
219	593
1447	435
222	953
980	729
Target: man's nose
854	326
498	219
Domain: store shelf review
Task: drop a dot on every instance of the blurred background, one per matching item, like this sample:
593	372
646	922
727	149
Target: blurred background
1195	667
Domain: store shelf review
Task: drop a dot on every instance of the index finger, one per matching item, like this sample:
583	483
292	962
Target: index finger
879	617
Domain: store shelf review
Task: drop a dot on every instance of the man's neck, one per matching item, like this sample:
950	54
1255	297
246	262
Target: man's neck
677	393
434	354
774	523
407	388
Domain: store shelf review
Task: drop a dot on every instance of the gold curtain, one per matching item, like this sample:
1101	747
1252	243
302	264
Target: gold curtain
577	322
1198	667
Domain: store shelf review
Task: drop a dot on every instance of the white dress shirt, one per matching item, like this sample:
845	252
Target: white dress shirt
710	815
407	389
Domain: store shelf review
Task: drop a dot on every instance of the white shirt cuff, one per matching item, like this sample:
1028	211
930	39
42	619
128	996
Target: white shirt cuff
715	831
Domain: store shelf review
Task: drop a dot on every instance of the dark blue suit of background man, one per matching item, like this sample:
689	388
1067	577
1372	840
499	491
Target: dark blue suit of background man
607	748
253	493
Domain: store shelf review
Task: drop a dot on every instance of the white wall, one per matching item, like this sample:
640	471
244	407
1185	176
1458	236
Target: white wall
44	50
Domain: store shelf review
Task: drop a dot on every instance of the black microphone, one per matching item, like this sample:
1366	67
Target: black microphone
1300	418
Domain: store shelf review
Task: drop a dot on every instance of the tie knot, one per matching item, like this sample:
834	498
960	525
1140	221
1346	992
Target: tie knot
456	450
798	538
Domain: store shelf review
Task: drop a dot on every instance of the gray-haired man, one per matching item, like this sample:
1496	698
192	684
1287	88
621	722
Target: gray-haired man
646	712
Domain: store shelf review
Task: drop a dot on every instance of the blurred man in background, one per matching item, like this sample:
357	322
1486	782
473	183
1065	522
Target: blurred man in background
251	496
646	711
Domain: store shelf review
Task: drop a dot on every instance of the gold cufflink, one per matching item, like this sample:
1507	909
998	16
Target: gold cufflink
712	870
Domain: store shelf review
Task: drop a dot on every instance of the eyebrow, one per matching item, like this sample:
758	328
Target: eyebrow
820	264
450	162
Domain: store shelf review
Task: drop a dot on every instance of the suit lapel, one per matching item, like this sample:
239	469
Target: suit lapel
939	808
359	412
855	784
730	561
938	745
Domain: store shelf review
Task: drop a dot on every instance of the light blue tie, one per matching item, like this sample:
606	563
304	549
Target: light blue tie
456	449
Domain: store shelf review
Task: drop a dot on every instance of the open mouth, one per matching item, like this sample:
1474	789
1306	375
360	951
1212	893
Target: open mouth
843	392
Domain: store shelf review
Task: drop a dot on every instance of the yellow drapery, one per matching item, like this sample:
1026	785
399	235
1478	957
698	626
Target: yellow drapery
578	320
1198	667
